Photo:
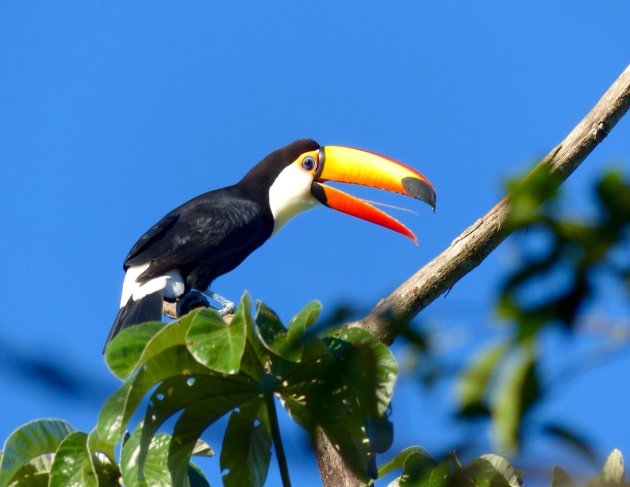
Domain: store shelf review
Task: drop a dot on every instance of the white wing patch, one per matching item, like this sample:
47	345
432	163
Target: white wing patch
172	282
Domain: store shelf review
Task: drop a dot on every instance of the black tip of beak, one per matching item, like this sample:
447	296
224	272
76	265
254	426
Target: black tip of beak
416	188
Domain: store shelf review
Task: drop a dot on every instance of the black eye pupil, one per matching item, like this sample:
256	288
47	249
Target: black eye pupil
308	163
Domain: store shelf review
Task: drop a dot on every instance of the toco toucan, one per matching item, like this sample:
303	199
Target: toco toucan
213	233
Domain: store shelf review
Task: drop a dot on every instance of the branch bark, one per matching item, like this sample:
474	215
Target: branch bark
470	248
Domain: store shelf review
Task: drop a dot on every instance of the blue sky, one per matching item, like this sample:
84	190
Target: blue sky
115	112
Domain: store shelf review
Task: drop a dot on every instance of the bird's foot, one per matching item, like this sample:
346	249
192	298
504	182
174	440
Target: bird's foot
191	300
199	299
227	306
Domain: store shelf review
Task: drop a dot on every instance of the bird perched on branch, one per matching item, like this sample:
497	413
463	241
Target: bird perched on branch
213	233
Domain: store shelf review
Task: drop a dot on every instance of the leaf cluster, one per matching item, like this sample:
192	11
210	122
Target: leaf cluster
199	369
504	382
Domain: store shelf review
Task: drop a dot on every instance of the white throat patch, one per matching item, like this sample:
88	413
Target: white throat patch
290	194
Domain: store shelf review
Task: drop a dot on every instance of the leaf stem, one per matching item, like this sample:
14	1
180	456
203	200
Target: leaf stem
277	440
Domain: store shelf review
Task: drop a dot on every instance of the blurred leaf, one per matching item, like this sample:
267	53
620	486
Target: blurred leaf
528	193
561	479
28	450
474	382
518	389
246	450
214	343
399	460
571	438
613	471
419	472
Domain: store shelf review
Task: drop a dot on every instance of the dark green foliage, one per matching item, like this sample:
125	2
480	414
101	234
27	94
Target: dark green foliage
199	369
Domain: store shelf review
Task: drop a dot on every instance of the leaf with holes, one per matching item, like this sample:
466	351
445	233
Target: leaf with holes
178	393
246	450
192	423
118	409
154	471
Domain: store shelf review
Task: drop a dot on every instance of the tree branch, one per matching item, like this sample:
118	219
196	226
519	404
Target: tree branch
470	248
475	243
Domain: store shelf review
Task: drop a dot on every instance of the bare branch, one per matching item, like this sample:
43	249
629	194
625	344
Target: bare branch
470	248
475	243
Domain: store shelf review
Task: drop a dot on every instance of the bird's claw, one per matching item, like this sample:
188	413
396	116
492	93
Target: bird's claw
227	306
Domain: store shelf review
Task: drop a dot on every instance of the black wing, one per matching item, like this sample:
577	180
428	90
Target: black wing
211	227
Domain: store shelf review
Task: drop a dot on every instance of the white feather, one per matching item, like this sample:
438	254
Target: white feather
290	194
172	282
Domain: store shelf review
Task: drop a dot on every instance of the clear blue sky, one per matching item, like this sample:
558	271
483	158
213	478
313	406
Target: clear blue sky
112	113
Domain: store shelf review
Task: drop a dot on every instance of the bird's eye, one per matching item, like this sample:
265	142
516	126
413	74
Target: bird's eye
308	163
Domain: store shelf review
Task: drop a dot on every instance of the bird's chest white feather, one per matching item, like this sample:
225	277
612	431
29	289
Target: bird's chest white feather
290	194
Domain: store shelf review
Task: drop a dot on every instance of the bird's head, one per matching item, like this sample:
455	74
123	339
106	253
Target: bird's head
296	175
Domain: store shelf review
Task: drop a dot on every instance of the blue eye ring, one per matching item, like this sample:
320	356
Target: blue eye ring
308	163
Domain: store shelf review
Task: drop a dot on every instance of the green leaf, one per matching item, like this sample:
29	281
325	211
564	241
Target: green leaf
345	388
371	367
419	472
192	423
137	344
181	392
124	352
474	382
76	465
71	457
214	343
26	446
154	471
287	343
196	477
298	325
518	389
246	450
560	478
399	460
503	468
172	362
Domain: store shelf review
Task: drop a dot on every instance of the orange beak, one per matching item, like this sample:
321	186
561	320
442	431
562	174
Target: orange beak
355	166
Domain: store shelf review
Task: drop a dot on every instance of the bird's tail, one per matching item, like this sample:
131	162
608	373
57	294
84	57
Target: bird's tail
147	308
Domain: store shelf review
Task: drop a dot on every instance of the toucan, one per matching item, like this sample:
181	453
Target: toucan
213	233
